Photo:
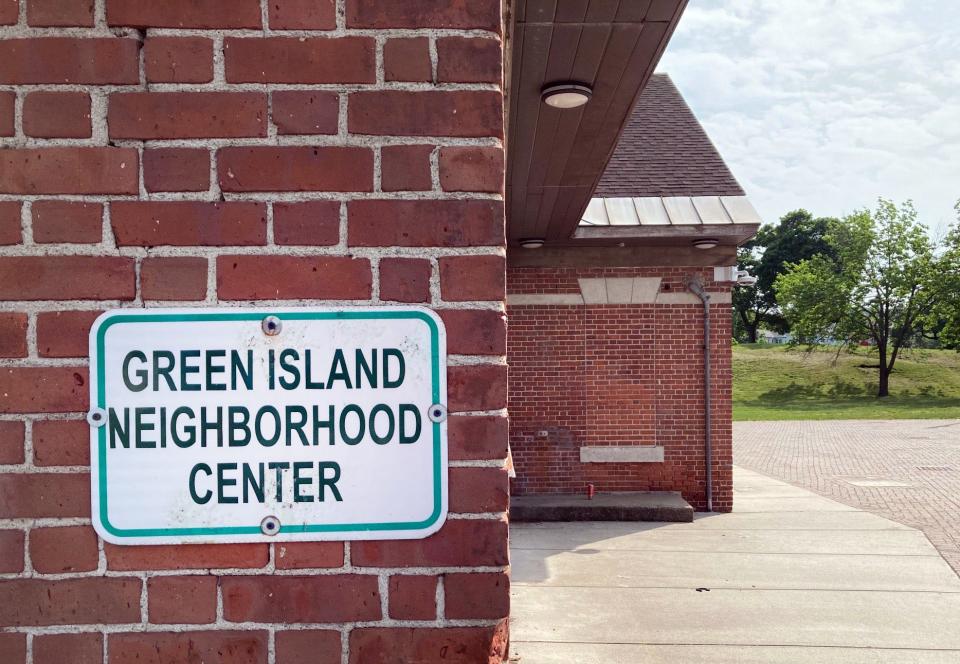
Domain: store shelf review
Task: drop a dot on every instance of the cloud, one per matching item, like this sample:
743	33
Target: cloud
828	104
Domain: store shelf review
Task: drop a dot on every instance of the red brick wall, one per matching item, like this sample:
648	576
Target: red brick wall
221	152
616	374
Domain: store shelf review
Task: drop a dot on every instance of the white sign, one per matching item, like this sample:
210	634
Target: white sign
251	425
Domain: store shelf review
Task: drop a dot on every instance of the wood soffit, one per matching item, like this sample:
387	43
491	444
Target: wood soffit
556	157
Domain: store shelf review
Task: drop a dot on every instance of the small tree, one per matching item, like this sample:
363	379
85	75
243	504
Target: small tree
882	281
797	237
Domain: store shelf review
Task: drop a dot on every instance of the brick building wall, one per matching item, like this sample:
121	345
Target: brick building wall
232	152
617	375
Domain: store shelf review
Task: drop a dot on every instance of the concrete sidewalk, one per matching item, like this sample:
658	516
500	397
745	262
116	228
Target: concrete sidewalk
788	577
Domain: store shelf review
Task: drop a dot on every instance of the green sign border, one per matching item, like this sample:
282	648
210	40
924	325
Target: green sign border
247	316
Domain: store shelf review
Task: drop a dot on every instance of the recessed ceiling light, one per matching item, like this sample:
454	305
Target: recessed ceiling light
531	243
705	243
566	95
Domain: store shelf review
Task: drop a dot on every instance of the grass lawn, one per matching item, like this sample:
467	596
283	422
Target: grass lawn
775	383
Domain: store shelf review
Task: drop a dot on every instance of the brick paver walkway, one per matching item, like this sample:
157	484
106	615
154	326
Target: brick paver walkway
905	470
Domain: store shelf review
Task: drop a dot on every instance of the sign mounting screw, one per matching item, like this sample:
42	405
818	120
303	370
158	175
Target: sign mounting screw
437	412
97	417
270	525
271	326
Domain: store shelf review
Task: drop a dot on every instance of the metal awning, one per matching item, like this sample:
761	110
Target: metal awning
728	218
669	211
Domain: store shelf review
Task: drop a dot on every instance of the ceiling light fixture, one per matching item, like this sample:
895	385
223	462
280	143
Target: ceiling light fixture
531	243
705	243
566	95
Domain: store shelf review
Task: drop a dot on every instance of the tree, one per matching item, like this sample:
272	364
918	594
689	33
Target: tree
881	281
947	313
797	237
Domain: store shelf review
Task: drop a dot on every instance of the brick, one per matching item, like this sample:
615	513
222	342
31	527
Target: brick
64	333
203	14
313	223
302	14
61	442
472	278
463	14
13	646
295	168
450	223
477	596
405	279
82	648
69	601
475	490
471	169
176	169
293	278
405	168
9	11
460	542
57	115
10	224
68	170
62	60
178	59
152	115
67	221
466	113
295	60
41	495
11	553
186	556
221	646
474	332
306	111
66	277
561	383
13	334
173	278
413	597
7	102
182	599
188	223
63	549
433	645
304	555
308	646
297	599
407	60
11	442
467	60
43	389
480	387
60	13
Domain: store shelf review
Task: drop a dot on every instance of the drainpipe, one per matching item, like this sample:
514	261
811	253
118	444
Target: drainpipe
696	287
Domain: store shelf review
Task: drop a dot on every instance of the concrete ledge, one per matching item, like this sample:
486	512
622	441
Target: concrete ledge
638	290
686	297
634	506
624	454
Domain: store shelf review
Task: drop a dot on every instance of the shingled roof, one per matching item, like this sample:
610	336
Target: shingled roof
663	151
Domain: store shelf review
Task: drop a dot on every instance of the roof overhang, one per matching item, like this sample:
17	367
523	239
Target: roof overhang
556	156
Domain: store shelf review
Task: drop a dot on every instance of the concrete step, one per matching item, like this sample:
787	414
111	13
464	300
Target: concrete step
632	506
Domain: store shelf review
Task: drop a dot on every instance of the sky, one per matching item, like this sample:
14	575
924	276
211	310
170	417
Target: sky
827	104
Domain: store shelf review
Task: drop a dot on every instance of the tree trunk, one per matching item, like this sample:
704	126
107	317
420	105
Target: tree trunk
884	388
751	333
